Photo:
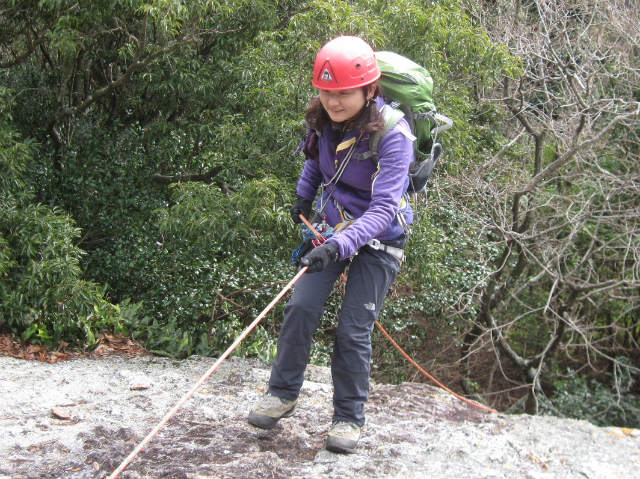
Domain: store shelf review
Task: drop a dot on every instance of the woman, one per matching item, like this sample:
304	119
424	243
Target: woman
363	202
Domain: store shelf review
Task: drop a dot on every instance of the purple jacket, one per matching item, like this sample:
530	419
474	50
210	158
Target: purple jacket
374	196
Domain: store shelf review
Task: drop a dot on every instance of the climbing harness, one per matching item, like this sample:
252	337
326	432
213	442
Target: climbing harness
339	170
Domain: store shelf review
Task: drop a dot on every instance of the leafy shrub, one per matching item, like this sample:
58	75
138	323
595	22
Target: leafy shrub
43	298
581	397
203	258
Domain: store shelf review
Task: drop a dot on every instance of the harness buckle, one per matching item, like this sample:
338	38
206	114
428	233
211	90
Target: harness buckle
375	243
397	253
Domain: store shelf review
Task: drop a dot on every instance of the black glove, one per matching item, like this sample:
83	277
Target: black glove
320	257
302	206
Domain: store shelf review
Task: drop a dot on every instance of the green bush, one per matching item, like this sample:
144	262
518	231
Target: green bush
202	258
581	397
43	298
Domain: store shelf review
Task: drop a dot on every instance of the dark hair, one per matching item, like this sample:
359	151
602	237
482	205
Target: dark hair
368	120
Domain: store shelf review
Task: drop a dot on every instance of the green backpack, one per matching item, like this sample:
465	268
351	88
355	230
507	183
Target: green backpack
408	87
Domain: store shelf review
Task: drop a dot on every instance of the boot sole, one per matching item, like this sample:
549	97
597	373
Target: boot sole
267	422
336	445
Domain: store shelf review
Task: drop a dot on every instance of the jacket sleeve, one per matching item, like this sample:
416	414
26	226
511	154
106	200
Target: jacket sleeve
388	185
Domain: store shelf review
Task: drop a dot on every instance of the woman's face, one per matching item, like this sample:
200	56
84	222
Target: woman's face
343	105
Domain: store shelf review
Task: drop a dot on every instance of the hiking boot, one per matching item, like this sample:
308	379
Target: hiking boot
343	437
269	410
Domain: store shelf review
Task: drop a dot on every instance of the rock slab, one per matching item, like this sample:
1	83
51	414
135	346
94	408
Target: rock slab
80	418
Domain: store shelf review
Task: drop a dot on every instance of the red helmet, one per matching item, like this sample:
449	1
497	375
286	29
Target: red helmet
344	63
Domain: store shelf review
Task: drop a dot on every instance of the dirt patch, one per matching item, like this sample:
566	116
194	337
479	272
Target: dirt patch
185	448
413	399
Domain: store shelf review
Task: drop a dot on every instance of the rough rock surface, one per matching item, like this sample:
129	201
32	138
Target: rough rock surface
80	418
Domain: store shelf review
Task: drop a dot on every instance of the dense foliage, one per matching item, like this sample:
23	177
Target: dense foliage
146	172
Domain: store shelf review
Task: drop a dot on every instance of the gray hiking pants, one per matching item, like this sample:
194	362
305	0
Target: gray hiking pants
370	276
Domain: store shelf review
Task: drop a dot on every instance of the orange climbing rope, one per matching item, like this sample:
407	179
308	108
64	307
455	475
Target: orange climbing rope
419	368
406	356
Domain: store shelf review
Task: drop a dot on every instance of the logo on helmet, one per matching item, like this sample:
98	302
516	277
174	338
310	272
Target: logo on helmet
326	75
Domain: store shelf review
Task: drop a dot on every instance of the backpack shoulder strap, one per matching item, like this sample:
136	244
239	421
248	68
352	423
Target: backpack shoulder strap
391	117
309	142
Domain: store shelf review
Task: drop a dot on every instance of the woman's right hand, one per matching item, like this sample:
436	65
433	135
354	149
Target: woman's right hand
320	257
